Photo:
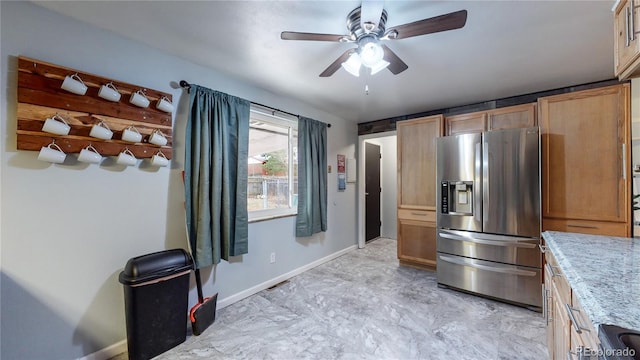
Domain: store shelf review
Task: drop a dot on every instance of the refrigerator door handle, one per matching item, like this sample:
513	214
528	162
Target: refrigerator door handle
494	268
477	191
485	183
488	242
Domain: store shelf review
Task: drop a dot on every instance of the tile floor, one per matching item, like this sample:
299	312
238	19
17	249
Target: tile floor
363	305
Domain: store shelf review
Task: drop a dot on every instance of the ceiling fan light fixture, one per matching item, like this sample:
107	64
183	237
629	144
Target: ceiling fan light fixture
371	53
381	65
352	65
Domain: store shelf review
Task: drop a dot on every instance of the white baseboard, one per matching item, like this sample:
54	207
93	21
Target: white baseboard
269	283
108	352
121	346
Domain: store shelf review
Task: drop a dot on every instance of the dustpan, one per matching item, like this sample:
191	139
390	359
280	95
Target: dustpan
203	314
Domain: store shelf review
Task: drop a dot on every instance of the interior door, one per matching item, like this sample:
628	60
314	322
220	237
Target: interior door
372	191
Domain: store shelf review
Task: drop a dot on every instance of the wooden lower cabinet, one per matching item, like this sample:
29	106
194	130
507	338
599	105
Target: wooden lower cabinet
417	242
561	327
564	315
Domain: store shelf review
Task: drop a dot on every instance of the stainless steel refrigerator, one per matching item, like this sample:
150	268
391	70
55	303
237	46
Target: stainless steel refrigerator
488	214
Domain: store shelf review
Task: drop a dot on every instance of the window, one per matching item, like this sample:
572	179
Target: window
272	185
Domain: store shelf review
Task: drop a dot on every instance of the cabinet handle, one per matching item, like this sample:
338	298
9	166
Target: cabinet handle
551	271
545	305
624	161
627	41
549	309
632	27
418	214
572	318
582	226
543	248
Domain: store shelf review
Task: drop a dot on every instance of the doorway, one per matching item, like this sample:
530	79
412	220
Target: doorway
388	173
372	191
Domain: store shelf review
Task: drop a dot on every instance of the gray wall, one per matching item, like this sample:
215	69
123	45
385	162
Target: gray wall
67	230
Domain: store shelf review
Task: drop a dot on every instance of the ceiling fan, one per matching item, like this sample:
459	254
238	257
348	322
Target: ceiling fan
366	25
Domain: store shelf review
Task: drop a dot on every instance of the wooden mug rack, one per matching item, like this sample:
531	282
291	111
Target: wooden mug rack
40	97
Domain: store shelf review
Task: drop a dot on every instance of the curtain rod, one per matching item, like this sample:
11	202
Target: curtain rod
185	84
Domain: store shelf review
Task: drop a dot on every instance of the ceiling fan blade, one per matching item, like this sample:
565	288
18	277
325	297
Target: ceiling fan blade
396	65
292	35
370	13
454	20
336	64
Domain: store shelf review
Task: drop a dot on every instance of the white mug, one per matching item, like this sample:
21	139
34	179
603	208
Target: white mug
131	134
49	154
127	158
89	155
56	125
159	159
73	84
164	105
157	138
139	99
109	92
101	131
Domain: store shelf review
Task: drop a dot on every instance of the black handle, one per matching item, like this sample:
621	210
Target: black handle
199	286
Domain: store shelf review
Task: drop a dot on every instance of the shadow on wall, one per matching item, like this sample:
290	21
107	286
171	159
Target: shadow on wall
95	332
43	334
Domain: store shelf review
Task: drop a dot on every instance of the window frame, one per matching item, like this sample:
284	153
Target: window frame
272	117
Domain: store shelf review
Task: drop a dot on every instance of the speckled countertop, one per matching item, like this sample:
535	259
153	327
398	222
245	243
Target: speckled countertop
604	273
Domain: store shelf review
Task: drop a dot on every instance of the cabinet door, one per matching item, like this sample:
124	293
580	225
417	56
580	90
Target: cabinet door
588	336
417	162
466	123
547	298
520	116
626	42
585	140
561	328
417	242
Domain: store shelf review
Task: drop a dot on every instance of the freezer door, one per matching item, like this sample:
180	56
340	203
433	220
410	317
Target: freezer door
500	248
459	171
511	182
519	284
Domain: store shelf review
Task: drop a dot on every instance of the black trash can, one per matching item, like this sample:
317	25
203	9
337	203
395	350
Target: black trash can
156	297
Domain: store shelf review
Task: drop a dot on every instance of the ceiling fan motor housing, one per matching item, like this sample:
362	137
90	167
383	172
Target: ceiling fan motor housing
356	30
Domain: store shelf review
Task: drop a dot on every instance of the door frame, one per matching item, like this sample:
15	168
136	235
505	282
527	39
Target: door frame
361	189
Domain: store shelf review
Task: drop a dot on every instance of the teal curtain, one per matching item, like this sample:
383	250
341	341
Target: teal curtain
312	177
215	175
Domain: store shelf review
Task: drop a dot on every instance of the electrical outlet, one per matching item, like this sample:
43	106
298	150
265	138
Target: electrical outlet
273	257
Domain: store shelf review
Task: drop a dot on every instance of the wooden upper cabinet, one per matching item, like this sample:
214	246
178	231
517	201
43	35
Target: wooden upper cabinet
520	116
626	43
417	162
585	152
466	123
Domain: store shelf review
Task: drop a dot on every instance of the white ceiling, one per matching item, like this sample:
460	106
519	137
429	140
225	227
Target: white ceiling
507	48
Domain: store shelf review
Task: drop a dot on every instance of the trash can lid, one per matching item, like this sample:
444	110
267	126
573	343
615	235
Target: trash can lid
155	265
